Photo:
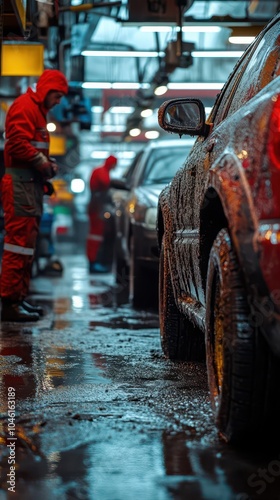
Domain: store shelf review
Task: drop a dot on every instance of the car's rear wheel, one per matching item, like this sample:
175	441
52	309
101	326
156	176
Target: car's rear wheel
243	374
180	339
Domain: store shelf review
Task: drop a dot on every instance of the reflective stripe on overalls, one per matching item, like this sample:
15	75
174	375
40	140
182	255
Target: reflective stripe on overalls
40	145
95	237
17	249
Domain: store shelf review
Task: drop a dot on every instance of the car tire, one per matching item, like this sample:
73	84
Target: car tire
121	272
180	339
143	283
243	374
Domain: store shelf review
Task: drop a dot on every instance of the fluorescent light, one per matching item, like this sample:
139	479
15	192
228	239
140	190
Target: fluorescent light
128	155
157	29
107	128
195	86
113	128
138	53
217	53
77	185
96	85
97	109
126	85
116	85
200	29
134	132
121	109
152	134
171	86
122	53
51	127
100	155
145	113
160	90
185	29
241	40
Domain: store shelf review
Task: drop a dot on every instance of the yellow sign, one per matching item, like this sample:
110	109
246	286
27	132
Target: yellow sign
57	145
22	59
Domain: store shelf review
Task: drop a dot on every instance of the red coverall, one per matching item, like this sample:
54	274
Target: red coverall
26	152
99	185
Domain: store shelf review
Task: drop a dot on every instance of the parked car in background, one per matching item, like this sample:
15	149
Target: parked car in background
136	251
219	235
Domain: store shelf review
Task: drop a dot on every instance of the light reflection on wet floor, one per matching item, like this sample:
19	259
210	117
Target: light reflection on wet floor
101	415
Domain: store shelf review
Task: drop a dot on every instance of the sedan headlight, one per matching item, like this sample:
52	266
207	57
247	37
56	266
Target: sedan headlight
146	217
151	218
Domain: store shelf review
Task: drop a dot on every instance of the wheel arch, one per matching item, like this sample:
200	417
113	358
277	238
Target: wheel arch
163	215
160	227
212	220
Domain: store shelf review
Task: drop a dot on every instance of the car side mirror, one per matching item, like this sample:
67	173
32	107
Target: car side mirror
183	116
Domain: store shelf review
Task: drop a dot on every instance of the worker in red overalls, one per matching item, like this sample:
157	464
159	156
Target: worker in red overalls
99	186
28	168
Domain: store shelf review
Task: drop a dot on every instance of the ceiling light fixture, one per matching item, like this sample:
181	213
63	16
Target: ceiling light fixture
137	53
128	85
244	34
134	132
116	85
107	128
161	90
241	40
152	134
77	185
97	109
51	127
121	109
185	29
145	113
195	86
96	85
99	155
127	155
217	53
170	86
122	53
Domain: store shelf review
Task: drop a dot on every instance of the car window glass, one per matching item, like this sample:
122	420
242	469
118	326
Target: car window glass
221	106
163	164
130	171
256	70
262	68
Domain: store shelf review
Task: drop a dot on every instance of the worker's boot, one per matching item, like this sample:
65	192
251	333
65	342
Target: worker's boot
14	311
31	308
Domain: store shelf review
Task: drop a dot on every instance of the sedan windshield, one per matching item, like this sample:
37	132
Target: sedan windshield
163	164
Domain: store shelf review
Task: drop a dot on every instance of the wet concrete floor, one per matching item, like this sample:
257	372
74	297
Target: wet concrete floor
100	414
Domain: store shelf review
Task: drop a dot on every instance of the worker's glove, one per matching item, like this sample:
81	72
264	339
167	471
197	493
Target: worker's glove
48	188
46	166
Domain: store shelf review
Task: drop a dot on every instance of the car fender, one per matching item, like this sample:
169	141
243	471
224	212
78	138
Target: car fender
164	217
227	179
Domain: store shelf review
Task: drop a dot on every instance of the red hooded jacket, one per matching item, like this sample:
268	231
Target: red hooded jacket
25	127
100	178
